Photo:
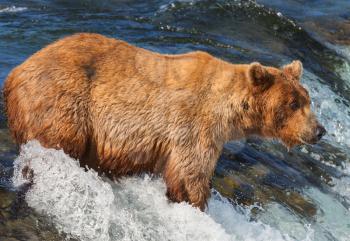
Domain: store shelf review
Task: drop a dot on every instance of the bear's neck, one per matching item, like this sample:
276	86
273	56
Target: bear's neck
235	112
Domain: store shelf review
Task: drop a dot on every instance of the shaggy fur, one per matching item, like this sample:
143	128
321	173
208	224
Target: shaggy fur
125	110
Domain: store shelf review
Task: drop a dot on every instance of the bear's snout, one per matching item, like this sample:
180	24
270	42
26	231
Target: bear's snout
320	132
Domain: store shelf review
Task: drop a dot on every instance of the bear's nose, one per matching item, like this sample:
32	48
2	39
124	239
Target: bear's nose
320	132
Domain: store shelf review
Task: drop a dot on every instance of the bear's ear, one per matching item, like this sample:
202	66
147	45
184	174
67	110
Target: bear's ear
294	69
259	76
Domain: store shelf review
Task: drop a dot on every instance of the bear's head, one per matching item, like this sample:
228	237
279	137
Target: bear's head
282	105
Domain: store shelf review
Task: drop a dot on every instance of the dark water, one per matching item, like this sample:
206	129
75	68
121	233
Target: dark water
303	194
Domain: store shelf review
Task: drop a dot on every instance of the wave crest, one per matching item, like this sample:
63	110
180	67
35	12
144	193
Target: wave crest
12	9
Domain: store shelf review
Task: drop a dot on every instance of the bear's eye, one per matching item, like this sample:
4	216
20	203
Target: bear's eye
294	105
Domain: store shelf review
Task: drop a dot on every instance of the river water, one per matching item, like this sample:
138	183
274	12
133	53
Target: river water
260	190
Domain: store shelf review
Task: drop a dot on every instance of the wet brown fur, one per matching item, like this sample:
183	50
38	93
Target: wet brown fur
126	110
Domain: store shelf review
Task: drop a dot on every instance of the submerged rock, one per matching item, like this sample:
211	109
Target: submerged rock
263	172
6	198
19	222
335	31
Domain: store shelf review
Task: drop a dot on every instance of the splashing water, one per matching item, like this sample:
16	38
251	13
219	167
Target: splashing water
83	205
12	9
329	108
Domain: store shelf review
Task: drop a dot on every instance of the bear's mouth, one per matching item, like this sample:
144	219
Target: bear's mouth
309	141
312	138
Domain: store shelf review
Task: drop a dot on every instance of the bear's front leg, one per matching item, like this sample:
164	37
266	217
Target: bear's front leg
194	190
187	181
198	191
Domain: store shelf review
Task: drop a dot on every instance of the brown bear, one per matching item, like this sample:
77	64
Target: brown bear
125	110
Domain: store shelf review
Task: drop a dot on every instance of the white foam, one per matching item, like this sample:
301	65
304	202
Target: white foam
12	9
78	202
87	207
